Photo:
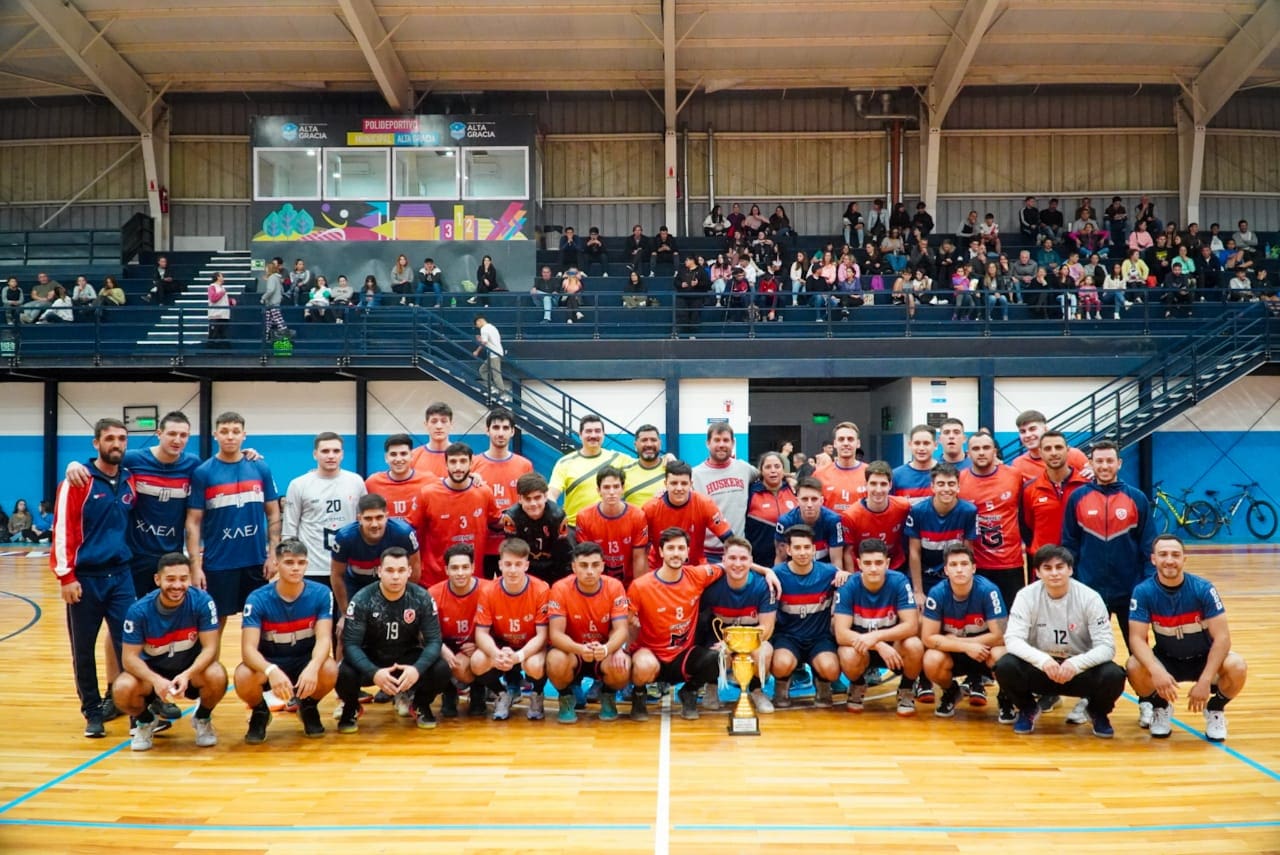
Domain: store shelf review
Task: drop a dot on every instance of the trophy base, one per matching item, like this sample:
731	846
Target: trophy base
744	726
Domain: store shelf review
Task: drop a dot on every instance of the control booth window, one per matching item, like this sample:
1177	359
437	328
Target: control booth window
353	173
427	173
286	173
495	173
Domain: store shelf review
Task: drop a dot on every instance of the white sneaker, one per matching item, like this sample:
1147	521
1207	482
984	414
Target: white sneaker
1145	713
1080	714
536	710
761	702
1215	725
906	701
502	706
404	704
711	700
205	735
143	736
1161	722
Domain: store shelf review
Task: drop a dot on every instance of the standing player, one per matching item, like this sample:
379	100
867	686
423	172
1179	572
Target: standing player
573	480
934	522
911	479
170	650
1192	644
741	598
682	508
455	509
879	515
1031	427
963	633
725	480
647	472
587	633
827	528
501	468
511	631
235	513
996	490
285	644
803	635
401	484
876	625
320	502
357	548
951	440
844	479
391	639
541	524
457	599
620	529
771	497
1044	498
90	558
429	458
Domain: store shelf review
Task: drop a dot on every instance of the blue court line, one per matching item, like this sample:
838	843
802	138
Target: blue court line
983	829
1222	746
34	620
58	780
316	829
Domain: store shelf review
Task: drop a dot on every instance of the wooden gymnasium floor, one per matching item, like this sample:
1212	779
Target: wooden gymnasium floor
816	780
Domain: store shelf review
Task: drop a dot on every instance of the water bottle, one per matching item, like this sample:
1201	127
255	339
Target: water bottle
453	302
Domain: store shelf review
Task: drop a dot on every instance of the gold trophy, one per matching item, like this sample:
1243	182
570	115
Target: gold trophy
742	642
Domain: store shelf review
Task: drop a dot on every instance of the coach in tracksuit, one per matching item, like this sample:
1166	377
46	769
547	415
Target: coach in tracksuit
90	557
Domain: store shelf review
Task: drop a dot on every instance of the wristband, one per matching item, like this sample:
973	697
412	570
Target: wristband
267	671
520	657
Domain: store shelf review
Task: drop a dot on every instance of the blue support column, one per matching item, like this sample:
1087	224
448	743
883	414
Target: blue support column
205	426
987	399
673	413
51	473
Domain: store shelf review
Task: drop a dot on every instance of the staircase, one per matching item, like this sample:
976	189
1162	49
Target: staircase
546	412
188	314
1130	408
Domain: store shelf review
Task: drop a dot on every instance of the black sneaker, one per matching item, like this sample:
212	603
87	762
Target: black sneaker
309	715
449	702
1008	712
476	706
924	690
110	712
688	703
165	709
94	728
947	702
426	719
347	721
259	718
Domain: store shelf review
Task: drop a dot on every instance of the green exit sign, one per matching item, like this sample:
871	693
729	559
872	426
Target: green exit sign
821	418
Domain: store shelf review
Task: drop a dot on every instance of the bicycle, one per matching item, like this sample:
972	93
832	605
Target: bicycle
1198	518
1259	514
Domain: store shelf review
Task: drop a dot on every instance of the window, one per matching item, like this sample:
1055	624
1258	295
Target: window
495	173
286	173
353	173
426	173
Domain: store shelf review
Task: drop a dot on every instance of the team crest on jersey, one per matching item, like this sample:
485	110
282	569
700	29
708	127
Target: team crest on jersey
409	615
1122	513
528	618
128	626
1005	496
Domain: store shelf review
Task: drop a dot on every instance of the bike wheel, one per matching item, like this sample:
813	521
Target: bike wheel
1163	519
1201	520
1261	519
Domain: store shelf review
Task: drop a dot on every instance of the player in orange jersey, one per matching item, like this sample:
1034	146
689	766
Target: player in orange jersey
588	632
1031	426
844	479
1045	497
996	489
500	467
511	631
429	458
455	509
400	485
879	515
457	599
682	508
620	529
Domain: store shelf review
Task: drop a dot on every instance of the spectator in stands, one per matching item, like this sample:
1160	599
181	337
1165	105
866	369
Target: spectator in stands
945	262
41	298
796	273
849	284
60	309
893	250
1090	302
1140	239
989	234
1023	271
715	224
571	287
1052	223
764	249
13	300
1158	258
402	279
1215	238
639	248
318	300
1171	232
922	223
1146	214
877	220
1208	274
753	222
821	283
344	296
1036	294
913	290
780	224
596	254
994	288
369	292
1117	220
487	282
962	292
220	303
163	285
1178	288
1265	290
1113	290
692	287
969	229
21	524
635	295
735	219
110	295
545	291
875	265
767	289
83	298
1048	257
899	219
1064	285
1183	257
922	256
272	296
300	282
1029	219
43	522
854	229
1015	285
1097	268
429	279
1193	238
1246	240
572	249
1135	272
1239	288
1090	240
720	274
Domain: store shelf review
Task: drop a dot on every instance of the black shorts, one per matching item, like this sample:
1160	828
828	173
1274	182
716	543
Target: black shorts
687	663
355	583
962	665
230	588
1184	670
169	670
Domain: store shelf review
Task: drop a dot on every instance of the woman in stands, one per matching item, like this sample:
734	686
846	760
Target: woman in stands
342	296
994	287
1036	294
799	267
60	308
369	292
1114	287
402	279
486	281
220	303
1065	285
854	229
894	250
318	300
720	273
20	524
272	297
754	221
849	282
715	224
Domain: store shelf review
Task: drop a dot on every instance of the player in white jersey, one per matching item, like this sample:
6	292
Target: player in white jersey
727	481
320	502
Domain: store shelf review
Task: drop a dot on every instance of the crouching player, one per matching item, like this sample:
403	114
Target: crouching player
587	631
741	598
170	650
285	643
963	633
456	600
511	631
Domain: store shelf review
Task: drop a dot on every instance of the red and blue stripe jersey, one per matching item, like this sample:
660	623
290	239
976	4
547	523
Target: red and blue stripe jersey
968	617
288	629
874	610
828	531
804	606
233	497
159	517
90	525
170	638
936	530
911	482
362	558
1178	617
741	607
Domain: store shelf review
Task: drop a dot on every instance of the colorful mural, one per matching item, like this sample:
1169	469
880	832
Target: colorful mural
374	221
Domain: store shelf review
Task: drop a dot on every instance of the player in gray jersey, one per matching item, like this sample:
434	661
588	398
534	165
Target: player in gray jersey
320	502
727	481
1059	641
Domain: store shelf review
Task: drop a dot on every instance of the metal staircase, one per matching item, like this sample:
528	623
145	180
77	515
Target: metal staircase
187	317
1130	408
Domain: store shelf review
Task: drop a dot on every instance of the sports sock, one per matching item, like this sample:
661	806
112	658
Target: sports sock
203	712
1218	702
146	716
1156	701
261	706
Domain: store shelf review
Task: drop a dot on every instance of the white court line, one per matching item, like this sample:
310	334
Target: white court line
662	824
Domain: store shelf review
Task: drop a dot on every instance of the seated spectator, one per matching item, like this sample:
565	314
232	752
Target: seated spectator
853	227
1036	294
848	284
1232	256
571	287
369	292
1094	266
1114	287
780	225
41	298
1239	288
1052	223
1090	302
715	224
748	263
1014	284
572	249
1047	257
1158	258
899	219
1023	271
763	248
318	299
922	256
739	297
1183	255
1135	272
402	279
1140	239
893	250
84	298
989	234
1215	238
962	292
877	220
22	524
1064	285
164	287
110	295
1084	211
994	290
1208	273
343	297
13	300
635	295
721	273
1146	215
1117	220
1246	240
1178	297
945	262
922	223
753	222
913	290
300	282
1089	240
821	285
60	309
767	289
487	282
1029	219
545	292
969	229
799	266
639	249
430	279
596	254
1265	291
1073	266
1194	238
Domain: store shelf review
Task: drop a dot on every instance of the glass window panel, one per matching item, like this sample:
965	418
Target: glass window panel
495	173
353	173
286	173
427	173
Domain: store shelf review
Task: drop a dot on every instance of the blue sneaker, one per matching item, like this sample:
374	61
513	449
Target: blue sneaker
1025	723
1102	727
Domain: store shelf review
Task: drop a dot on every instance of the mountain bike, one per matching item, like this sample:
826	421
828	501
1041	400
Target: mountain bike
1198	518
1259	514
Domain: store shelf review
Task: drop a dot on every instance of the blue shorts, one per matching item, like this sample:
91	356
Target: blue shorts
1184	670
803	652
230	588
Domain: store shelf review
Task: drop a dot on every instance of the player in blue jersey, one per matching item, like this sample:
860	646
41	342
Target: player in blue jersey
935	522
803	633
170	650
876	625
234	511
963	633
824	523
284	644
740	598
357	549
1192	644
912	479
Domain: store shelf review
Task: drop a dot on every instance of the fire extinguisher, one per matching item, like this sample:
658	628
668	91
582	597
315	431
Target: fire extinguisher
164	200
